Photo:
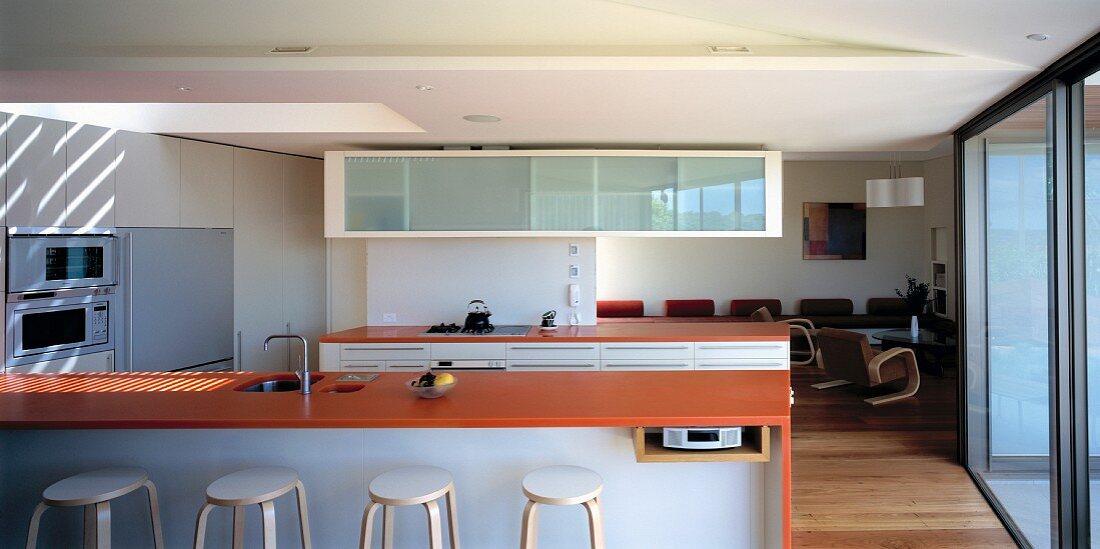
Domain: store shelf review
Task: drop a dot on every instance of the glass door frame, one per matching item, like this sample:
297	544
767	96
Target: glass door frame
1069	383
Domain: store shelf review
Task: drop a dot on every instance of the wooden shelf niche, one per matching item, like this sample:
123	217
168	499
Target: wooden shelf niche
755	446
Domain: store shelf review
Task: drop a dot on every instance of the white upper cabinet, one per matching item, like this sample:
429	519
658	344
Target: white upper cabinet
206	185
553	193
90	179
147	183
36	172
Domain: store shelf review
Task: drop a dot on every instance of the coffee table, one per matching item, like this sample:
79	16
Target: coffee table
931	349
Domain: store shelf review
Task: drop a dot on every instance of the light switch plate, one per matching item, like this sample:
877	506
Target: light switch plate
574	250
574	271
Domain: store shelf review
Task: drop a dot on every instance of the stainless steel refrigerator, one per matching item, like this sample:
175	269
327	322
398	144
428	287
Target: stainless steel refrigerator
177	300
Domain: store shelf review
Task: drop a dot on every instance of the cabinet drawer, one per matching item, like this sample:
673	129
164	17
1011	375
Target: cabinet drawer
385	351
742	364
406	365
645	365
553	365
742	349
554	351
648	351
362	366
467	351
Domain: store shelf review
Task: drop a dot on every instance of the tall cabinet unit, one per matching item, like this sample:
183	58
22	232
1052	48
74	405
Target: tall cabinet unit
147	182
206	185
36	172
258	183
90	164
304	254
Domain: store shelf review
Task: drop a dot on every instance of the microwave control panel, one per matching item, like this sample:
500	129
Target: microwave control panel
99	323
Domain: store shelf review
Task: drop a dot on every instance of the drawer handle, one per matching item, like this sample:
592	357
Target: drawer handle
681	365
741	365
370	367
741	347
384	348
407	366
647	348
553	365
554	348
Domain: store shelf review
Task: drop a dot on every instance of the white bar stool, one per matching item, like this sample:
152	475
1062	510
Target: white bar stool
251	486
562	485
416	485
93	490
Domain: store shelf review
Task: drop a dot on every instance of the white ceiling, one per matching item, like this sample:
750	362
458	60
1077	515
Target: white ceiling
857	76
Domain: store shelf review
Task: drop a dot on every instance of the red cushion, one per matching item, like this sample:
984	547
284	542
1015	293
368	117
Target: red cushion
620	308
689	307
745	307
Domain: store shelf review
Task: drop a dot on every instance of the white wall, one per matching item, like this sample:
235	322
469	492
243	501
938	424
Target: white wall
656	269
430	280
939	211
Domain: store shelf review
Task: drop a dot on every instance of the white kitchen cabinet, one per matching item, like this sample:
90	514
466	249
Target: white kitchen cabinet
362	366
36	172
95	362
303	249
553	365
258	259
742	349
91	163
407	365
553	351
385	351
207	196
147	182
328	357
639	365
648	350
742	364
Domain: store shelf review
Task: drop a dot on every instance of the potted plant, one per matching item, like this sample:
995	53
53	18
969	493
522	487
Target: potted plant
916	298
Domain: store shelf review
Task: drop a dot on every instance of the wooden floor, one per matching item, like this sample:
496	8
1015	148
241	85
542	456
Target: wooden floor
883	476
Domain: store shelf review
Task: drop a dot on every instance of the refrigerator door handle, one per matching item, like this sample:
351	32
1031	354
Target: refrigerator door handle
129	302
238	362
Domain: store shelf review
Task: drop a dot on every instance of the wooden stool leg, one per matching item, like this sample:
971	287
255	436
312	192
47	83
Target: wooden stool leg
154	513
529	538
269	524
36	518
238	526
200	526
89	526
368	525
435	526
103	525
595	522
303	515
452	517
387	527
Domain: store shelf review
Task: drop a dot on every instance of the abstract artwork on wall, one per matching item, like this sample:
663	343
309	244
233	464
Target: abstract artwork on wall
834	230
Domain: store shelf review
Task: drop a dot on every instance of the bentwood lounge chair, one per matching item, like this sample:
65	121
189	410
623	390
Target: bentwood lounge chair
848	357
801	326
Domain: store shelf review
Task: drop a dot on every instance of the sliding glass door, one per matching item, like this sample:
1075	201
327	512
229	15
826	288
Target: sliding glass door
1087	99
1008	285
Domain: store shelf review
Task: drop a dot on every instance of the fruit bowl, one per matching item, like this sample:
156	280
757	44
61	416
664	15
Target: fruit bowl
434	391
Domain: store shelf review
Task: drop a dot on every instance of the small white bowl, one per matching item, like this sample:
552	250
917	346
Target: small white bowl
434	391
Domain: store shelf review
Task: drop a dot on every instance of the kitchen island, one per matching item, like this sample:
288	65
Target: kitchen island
189	428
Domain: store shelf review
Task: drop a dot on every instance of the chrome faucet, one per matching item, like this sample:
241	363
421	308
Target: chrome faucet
303	372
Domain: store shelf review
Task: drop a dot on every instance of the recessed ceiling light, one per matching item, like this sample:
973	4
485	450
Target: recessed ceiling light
290	50
425	87
184	88
1038	37
481	118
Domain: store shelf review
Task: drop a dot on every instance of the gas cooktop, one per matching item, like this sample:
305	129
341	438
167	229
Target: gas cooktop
456	330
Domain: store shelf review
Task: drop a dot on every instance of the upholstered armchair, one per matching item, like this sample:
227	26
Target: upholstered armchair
801	326
848	357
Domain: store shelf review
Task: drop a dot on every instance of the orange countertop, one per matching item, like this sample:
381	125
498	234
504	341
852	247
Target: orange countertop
709	331
480	399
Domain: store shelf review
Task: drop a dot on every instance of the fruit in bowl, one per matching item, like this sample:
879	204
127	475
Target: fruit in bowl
431	385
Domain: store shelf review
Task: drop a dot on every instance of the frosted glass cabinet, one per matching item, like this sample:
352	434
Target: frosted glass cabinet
553	193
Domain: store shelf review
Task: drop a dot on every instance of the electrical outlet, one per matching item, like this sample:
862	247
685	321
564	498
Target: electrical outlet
389	317
574	271
574	250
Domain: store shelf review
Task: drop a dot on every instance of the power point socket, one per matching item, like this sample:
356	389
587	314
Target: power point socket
574	271
389	317
574	250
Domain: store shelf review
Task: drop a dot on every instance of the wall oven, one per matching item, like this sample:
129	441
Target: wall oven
62	285
59	324
58	261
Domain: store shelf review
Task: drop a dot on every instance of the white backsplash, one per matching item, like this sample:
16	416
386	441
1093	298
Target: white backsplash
430	280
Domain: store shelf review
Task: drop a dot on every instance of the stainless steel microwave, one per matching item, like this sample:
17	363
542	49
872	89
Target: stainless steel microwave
42	262
59	324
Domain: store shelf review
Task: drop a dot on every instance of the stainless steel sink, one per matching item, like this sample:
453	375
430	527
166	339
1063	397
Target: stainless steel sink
278	385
